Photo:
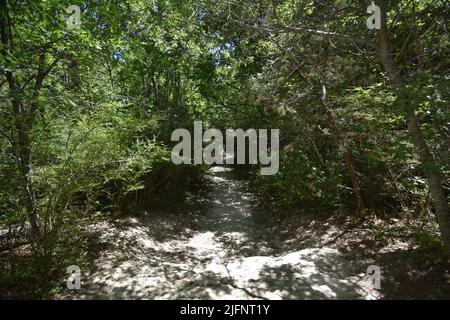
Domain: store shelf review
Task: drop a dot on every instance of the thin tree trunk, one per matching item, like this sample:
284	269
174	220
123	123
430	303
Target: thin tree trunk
26	167
361	209
430	167
23	123
348	160
346	156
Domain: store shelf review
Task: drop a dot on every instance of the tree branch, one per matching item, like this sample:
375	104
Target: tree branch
278	28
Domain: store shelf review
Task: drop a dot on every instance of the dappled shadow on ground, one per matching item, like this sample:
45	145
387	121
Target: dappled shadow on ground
222	247
407	273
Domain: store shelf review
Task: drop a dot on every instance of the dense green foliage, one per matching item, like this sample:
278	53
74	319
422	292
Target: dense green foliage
97	129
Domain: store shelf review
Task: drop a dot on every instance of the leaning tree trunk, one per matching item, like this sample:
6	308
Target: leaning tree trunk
430	167
346	156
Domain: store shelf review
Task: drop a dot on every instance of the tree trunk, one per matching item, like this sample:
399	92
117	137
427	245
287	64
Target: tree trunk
430	167
26	167
361	209
348	160
346	156
23	125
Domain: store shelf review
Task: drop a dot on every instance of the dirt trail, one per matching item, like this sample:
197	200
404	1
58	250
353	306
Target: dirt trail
229	250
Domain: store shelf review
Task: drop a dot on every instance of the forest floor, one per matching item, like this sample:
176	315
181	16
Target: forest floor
225	247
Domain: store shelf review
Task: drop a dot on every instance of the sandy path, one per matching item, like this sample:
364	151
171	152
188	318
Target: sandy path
229	251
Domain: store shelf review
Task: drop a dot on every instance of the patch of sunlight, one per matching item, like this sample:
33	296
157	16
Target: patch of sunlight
308	273
324	289
220	169
203	241
214	266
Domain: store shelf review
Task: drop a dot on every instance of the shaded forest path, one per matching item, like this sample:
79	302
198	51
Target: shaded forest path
225	248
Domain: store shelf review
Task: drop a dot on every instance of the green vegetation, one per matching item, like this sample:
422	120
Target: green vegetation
86	115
